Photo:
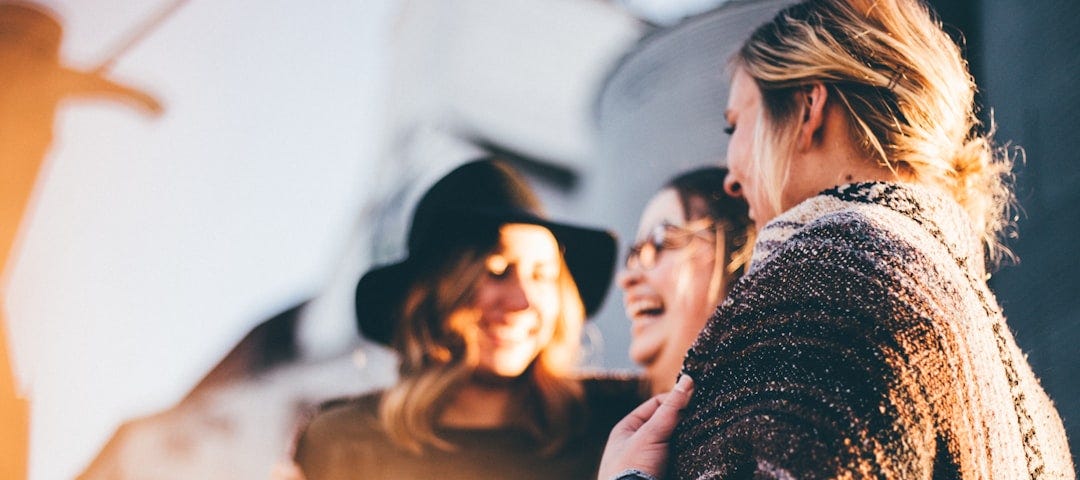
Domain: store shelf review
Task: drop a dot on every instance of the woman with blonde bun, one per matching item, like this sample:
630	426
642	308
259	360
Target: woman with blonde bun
863	342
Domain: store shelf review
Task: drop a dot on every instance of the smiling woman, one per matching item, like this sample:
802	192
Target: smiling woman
694	242
486	315
517	304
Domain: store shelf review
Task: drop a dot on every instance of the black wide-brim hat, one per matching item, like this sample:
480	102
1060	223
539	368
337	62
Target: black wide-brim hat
466	207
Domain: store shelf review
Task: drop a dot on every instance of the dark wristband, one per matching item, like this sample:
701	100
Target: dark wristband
633	474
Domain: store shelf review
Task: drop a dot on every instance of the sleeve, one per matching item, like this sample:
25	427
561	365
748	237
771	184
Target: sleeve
802	373
633	474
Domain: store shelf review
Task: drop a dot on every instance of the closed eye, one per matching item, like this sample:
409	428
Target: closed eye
500	275
498	267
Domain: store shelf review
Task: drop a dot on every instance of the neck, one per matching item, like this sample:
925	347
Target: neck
853	169
480	405
659	383
833	159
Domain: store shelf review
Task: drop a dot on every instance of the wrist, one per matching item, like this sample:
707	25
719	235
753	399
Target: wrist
633	474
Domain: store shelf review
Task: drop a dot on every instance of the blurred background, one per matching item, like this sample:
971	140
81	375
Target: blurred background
181	286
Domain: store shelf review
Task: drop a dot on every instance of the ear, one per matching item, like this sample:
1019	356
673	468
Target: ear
813	99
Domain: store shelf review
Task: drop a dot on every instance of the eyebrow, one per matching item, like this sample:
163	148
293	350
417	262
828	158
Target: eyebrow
520	259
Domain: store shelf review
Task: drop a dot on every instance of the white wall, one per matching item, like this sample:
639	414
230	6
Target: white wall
156	243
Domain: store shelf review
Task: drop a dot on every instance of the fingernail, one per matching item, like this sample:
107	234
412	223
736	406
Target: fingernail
685	383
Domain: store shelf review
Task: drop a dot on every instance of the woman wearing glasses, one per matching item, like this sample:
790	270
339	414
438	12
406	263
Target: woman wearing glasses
693	242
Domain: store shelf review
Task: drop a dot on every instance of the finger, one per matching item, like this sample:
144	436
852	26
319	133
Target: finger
666	415
636	418
679	397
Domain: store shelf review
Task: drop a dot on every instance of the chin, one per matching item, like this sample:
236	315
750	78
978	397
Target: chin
642	355
506	367
507	374
502	372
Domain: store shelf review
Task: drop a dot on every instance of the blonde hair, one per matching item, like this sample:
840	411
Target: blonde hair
437	357
907	92
737	247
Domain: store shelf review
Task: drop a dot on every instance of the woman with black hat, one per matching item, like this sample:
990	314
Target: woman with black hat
485	314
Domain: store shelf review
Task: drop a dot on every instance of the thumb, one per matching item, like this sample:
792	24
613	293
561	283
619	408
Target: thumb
666	417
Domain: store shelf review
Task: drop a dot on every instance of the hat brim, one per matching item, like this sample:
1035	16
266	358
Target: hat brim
590	255
378	294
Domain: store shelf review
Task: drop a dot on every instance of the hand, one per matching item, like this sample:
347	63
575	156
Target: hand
640	440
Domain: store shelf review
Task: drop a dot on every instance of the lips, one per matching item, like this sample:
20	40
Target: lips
507	335
644	307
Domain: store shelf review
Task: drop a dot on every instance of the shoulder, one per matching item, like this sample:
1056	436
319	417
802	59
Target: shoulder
344	436
364	402
876	224
844	243
855	253
612	386
857	228
844	274
610	396
351	417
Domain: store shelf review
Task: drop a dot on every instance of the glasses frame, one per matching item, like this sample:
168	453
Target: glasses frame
644	254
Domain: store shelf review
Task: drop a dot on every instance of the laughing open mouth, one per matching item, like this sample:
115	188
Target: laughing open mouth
645	308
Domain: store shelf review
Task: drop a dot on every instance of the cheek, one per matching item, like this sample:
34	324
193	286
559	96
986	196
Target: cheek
734	151
484	295
689	292
545	298
547	303
664	278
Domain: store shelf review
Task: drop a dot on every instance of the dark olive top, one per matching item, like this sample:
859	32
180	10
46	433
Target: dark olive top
345	440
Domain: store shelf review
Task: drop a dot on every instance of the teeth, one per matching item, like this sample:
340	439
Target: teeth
646	306
508	334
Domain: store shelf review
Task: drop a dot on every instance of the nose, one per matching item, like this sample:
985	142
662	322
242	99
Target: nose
732	186
628	277
514	296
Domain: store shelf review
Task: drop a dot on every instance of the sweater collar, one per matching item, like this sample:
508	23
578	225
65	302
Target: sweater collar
932	210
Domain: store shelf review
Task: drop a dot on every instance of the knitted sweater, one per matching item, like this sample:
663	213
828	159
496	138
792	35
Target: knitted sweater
864	342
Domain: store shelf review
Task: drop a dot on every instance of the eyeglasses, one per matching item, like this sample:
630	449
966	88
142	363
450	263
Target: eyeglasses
645	253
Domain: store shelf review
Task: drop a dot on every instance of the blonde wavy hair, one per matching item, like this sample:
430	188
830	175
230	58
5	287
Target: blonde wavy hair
908	96
437	356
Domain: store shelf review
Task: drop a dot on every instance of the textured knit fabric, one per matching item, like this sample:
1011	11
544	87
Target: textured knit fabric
864	343
346	441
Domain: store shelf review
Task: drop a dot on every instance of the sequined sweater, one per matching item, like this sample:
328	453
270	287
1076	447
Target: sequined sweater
865	343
